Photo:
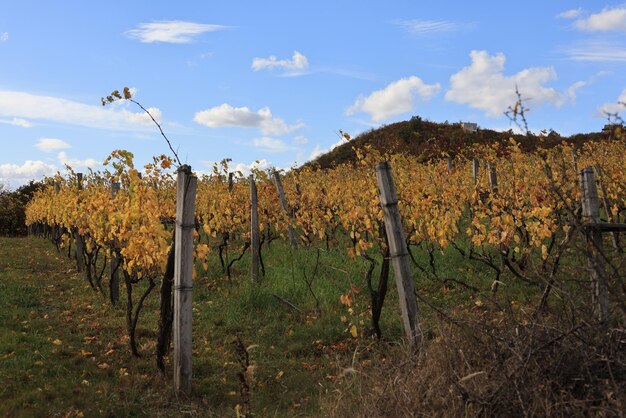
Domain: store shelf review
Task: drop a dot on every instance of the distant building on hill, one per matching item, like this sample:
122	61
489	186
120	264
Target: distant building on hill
469	126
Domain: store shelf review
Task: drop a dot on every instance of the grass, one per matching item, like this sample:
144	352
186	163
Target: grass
64	350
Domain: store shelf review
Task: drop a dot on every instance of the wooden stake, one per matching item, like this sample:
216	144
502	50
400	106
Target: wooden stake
493	178
254	230
285	206
80	245
114	274
475	166
607	207
399	253
183	272
593	237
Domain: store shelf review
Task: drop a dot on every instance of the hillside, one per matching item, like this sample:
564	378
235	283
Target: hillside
430	139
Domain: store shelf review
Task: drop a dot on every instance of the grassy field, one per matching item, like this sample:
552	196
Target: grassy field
64	350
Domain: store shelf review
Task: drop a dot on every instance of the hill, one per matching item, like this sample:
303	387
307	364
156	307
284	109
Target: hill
430	140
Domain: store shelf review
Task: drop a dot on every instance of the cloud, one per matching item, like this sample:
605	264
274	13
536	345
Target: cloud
25	105
570	14
609	19
300	140
396	98
571	90
270	144
425	27
4	37
483	85
242	117
76	163
617	107
171	31
17	122
594	51
297	65
27	171
51	144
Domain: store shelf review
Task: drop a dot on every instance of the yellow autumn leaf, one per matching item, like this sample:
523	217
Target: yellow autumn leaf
353	331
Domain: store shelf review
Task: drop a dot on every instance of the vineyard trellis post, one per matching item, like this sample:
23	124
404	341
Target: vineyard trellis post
399	253
80	245
183	271
493	177
254	230
607	206
285	206
114	274
593	238
450	165
475	167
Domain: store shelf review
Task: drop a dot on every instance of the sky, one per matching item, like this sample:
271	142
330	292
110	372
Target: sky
272	83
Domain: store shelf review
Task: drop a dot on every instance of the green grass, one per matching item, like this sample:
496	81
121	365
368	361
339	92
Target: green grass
64	350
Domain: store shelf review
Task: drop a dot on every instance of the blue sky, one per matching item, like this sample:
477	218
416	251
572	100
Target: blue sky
275	81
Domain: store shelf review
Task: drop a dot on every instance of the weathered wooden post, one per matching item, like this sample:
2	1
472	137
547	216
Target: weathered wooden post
607	207
183	271
254	230
493	178
475	167
398	253
574	161
593	237
450	166
80	245
230	182
285	206
114	274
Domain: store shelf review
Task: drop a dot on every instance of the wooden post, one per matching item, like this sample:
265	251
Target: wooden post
398	253
114	274
285	206
80	245
607	207
574	161
593	237
254	230
493	178
475	166
450	166
230	182
183	271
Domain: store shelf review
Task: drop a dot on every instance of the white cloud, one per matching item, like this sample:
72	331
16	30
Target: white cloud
609	19
75	162
297	65
617	107
423	27
594	51
27	171
4	37
570	14
25	105
317	151
51	144
171	31
270	144
17	122
396	98
483	85
571	90
242	117
300	140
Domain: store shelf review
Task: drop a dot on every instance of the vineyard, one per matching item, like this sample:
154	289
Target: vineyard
506	261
